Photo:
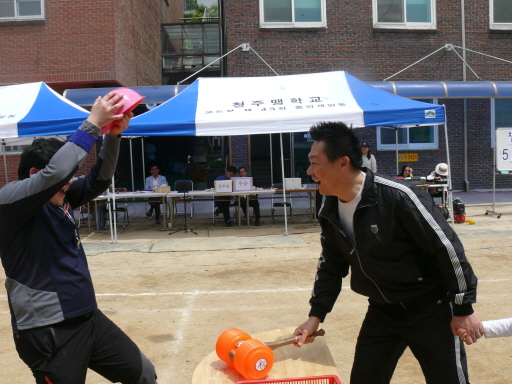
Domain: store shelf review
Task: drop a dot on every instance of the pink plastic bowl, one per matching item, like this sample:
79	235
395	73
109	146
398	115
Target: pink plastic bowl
131	100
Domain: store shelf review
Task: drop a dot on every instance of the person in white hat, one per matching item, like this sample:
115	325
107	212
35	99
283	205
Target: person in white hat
438	175
442	170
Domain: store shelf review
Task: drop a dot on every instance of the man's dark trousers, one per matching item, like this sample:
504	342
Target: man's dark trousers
254	204
61	353
388	329
223	206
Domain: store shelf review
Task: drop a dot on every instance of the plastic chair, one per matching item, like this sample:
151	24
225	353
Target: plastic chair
184	186
84	215
277	202
119	208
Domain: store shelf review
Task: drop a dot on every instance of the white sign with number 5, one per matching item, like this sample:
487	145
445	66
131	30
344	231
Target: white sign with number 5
505	154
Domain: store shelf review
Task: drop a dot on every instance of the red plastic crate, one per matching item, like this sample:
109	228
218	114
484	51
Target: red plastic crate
329	379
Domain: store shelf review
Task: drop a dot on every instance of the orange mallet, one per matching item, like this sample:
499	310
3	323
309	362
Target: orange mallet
251	358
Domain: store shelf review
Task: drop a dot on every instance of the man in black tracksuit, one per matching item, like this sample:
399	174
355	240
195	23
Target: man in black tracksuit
402	255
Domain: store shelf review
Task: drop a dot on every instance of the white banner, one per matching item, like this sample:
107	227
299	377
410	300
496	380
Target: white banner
255	104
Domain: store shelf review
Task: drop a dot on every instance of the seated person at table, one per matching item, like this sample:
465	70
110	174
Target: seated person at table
253	201
439	175
220	202
405	172
152	183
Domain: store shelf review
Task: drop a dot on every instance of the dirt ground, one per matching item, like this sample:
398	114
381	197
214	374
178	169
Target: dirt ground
175	295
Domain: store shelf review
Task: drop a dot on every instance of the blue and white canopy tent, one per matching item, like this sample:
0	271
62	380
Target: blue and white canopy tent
229	106
252	105
34	109
277	104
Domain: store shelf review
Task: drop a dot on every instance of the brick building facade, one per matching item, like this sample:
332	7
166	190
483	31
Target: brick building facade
351	41
117	43
85	44
88	43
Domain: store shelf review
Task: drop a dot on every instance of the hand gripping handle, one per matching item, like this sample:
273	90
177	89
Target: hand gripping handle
292	340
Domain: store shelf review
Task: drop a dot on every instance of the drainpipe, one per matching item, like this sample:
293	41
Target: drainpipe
465	114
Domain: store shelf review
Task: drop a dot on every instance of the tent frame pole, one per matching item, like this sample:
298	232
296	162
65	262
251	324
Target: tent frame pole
449	203
284	184
271	162
396	141
133	178
112	212
493	212
5	165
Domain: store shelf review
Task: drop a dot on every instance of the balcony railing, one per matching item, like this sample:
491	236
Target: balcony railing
188	47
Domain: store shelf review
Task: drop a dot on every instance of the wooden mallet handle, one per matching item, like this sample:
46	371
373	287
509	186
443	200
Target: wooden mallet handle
292	340
276	344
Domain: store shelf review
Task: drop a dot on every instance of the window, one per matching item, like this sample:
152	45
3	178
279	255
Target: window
14	148
21	9
413	138
189	6
407	14
501	116
292	14
501	14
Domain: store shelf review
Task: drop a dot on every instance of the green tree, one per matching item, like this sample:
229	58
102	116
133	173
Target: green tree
199	11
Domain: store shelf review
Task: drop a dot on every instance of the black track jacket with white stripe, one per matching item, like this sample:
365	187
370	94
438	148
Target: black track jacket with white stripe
404	252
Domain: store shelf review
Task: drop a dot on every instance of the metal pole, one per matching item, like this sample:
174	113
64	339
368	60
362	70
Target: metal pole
5	165
113	221
133	179
143	162
465	113
131	165
494	170
396	139
494	179
292	156
271	162
450	201
284	184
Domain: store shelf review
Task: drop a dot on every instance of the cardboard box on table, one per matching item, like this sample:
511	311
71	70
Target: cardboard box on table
223	186
293	183
242	184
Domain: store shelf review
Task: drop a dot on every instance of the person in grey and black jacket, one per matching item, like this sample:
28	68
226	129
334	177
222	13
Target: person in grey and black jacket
401	254
58	330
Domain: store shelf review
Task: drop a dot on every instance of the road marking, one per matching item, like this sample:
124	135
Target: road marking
227	292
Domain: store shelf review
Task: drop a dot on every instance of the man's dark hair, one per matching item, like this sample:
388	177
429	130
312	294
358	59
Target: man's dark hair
339	140
38	155
231	168
241	167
